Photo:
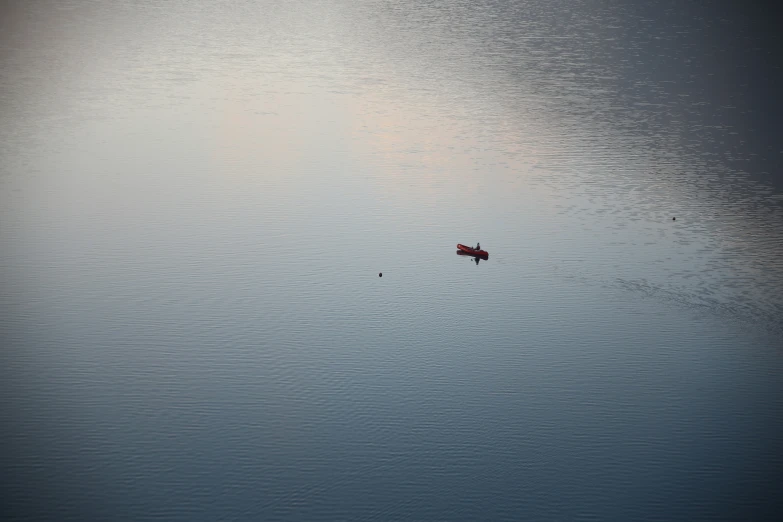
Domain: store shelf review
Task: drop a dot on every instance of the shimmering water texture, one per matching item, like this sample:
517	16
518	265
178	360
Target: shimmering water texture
229	287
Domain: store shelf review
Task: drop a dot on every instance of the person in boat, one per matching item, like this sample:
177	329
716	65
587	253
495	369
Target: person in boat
478	246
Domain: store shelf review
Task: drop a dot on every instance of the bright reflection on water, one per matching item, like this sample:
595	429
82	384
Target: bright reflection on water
197	198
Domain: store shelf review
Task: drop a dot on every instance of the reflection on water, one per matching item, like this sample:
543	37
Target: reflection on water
473	257
196	199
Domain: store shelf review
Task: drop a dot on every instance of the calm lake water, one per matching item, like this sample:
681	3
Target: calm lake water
196	199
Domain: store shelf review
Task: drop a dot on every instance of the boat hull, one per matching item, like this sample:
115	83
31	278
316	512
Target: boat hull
472	251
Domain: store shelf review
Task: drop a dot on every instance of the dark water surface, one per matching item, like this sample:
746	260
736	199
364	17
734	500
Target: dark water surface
196	199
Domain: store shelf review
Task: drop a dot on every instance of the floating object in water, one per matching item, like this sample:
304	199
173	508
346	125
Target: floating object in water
380	274
674	219
473	251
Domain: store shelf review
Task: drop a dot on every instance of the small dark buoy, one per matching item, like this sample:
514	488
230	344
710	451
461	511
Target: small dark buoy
380	274
674	219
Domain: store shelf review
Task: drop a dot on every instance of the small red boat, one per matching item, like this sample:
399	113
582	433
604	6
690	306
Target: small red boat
472	251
